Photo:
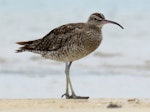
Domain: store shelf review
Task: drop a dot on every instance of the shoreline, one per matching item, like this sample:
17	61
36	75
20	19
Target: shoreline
70	105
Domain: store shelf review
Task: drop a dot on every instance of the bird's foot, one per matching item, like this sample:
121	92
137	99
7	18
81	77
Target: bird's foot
66	95
74	96
78	97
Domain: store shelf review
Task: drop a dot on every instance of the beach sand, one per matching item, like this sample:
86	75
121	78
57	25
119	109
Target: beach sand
63	105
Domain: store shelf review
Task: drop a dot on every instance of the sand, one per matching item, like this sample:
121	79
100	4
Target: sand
63	105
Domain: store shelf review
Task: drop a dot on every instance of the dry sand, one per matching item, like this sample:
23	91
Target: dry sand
63	105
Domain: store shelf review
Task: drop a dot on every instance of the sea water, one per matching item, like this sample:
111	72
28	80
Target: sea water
120	67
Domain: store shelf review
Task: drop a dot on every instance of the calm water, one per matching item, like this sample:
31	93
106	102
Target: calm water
120	67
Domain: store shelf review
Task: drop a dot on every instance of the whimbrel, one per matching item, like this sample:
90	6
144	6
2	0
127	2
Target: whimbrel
69	43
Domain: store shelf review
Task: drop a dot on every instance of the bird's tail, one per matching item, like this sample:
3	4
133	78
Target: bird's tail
28	45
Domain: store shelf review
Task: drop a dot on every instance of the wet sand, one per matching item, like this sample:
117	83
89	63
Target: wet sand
63	105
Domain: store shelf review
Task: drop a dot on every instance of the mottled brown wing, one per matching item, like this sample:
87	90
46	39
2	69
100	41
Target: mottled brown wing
59	37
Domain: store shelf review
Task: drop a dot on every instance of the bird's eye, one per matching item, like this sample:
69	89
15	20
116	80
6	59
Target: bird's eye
95	19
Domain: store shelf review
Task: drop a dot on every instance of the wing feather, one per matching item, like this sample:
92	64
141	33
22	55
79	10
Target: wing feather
59	37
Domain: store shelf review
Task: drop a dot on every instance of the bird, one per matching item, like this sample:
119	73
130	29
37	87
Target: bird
68	43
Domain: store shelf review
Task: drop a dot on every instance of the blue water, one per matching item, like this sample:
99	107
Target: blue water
120	67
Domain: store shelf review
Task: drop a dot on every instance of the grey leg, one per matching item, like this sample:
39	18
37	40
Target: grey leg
68	83
69	80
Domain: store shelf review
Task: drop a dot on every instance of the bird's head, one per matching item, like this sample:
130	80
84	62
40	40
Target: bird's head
99	20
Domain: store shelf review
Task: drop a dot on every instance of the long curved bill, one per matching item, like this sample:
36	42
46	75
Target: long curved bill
108	21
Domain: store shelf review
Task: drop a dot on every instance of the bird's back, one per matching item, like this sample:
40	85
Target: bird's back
66	43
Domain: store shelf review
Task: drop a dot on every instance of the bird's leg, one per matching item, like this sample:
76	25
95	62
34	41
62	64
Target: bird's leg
68	82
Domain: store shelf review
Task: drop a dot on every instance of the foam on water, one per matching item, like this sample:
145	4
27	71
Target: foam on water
53	86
